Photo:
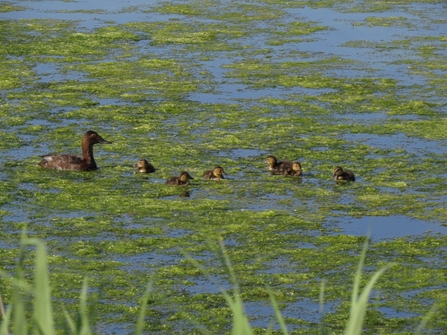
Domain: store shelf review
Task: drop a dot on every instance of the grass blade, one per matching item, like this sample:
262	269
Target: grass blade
278	315
359	304
43	316
321	298
5	321
140	321
83	316
426	318
70	321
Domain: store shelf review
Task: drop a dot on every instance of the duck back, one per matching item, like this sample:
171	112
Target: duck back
67	162
281	167
214	174
177	181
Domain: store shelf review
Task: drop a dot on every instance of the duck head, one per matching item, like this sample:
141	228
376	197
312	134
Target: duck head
218	171
271	160
185	176
338	171
92	137
296	166
142	165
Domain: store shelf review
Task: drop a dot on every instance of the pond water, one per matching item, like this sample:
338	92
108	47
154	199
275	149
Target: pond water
389	227
194	84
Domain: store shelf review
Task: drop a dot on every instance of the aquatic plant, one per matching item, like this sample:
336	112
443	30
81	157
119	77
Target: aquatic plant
16	317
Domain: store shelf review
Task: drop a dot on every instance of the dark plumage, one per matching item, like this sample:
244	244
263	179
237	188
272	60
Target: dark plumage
295	170
182	180
340	174
73	162
215	174
143	166
278	167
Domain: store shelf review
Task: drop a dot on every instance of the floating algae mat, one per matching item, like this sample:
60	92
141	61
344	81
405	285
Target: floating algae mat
190	85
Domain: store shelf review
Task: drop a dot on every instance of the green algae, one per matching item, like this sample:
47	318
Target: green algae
397	21
10	7
54	39
238	13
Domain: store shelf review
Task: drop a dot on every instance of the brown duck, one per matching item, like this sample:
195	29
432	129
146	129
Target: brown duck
143	166
182	180
215	174
340	174
73	162
295	170
278	167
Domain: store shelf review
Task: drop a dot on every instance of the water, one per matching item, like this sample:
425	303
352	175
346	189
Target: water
390	227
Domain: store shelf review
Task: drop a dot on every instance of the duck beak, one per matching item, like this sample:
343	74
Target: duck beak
103	141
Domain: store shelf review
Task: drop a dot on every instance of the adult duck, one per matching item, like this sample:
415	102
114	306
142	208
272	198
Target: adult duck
182	180
74	162
341	174
214	174
143	166
278	167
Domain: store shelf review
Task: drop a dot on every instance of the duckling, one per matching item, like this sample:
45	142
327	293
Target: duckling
295	170
182	180
277	167
215	174
143	166
74	162
340	174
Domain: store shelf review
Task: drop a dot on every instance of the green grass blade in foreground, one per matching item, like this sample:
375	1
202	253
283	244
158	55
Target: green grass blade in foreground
43	316
70	321
84	328
5	321
360	303
426	319
278	315
20	321
241	325
321	298
140	321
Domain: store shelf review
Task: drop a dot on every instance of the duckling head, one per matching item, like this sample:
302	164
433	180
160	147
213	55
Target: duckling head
296	166
271	160
142	163
338	171
184	176
218	171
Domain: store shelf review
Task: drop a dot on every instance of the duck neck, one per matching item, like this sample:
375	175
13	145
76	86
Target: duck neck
87	153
